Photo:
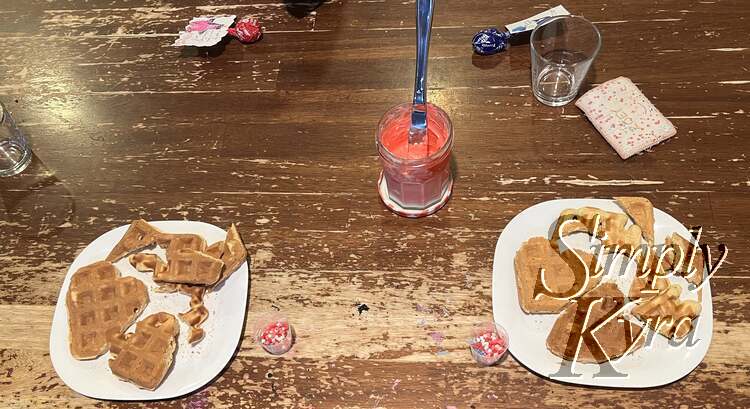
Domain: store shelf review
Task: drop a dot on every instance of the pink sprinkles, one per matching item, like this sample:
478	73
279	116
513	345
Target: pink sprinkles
488	347
276	337
274	333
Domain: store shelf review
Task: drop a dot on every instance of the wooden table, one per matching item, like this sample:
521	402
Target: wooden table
278	137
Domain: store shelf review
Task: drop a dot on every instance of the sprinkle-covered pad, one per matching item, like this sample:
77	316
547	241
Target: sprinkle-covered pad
625	117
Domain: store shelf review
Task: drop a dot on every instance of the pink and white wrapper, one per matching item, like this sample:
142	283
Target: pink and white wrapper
205	31
625	117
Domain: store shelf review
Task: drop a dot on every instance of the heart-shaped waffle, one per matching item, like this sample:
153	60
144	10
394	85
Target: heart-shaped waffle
145	356
101	304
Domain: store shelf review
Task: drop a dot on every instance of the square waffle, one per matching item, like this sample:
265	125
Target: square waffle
190	267
101	304
179	242
145	356
536	254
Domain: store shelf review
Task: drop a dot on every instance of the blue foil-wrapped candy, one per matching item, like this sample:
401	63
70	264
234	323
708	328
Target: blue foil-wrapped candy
490	41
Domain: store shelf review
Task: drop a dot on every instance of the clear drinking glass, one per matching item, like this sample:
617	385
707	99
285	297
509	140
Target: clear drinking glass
15	153
562	50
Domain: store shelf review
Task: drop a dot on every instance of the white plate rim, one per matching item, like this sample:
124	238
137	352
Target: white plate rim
58	343
704	326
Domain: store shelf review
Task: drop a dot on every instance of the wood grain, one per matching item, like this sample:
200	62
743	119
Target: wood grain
278	137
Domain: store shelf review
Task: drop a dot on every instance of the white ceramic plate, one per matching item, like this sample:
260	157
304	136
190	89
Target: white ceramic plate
194	366
657	364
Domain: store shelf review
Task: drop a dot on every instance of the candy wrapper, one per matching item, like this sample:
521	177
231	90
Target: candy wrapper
533	21
247	30
491	40
205	31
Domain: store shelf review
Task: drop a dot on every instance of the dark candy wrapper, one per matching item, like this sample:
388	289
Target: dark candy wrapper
490	41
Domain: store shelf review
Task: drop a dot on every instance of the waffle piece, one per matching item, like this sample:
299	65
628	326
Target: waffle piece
146	262
233	255
595	271
667	314
139	235
681	244
166	288
144	357
641	211
648	285
186	262
190	267
196	333
216	250
615	337
149	263
197	314
611	228
574	226
179	242
101	304
535	254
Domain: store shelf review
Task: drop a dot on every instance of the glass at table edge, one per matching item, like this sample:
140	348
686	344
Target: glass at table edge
16	134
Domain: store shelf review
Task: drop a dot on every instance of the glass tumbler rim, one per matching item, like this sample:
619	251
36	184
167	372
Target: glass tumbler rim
385	153
547	21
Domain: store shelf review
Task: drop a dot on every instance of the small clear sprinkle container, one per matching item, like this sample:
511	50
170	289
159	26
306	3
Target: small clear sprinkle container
488	343
274	333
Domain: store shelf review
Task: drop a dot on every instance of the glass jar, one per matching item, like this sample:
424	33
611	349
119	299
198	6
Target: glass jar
416	179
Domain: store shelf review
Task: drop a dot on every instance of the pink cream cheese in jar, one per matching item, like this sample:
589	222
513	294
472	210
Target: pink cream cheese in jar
416	179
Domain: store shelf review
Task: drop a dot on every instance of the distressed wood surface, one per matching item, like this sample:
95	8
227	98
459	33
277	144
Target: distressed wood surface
279	137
